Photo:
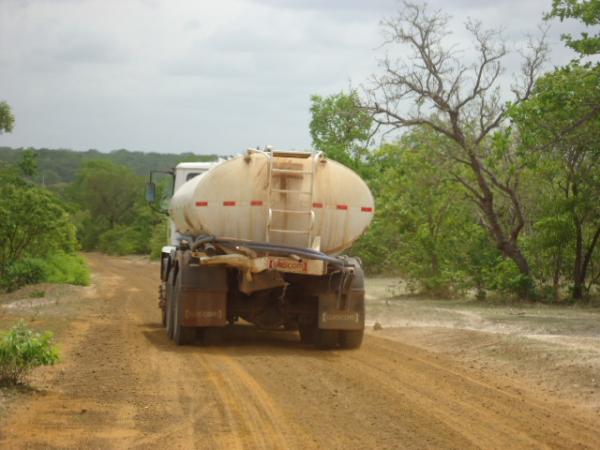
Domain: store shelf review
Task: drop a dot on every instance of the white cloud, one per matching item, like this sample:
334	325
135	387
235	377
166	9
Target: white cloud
204	76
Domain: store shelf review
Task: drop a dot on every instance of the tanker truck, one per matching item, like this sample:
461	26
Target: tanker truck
259	238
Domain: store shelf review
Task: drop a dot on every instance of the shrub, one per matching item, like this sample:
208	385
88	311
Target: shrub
26	271
122	240
160	238
22	349
58	267
66	268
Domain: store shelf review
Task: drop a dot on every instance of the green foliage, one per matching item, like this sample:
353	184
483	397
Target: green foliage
425	228
37	237
22	272
506	278
588	12
160	238
21	350
57	167
108	191
559	128
33	221
121	240
7	120
340	127
66	268
59	267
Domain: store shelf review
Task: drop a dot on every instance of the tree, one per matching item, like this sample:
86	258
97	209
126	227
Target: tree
588	11
559	128
340	127
108	191
433	87
425	227
7	120
33	222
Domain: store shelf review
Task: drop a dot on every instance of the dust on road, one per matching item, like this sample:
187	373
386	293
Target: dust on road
123	384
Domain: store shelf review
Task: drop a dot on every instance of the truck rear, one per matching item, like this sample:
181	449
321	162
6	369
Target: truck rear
258	238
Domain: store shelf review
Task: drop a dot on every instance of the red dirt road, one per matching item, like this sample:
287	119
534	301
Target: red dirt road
123	384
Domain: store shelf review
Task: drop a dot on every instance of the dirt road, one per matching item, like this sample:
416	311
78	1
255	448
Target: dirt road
123	384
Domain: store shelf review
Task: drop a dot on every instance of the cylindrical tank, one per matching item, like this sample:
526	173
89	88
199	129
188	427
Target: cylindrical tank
302	200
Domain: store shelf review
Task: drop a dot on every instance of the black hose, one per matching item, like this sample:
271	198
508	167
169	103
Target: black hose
271	248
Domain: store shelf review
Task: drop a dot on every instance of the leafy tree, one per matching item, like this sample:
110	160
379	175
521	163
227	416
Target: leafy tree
559	128
7	120
34	223
588	12
113	216
108	191
433	87
340	127
426	227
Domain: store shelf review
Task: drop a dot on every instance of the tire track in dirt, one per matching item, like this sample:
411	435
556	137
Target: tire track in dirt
125	385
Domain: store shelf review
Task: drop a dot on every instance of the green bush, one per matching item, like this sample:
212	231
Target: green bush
22	349
26	271
506	278
66	268
121	240
159	239
58	267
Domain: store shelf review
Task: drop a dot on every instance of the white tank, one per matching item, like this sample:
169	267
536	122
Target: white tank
290	198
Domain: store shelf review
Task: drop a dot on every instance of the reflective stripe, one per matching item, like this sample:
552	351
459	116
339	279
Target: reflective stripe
366	209
317	205
229	203
201	203
344	207
256	203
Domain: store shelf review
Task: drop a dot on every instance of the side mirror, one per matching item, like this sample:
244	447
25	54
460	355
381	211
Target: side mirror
150	192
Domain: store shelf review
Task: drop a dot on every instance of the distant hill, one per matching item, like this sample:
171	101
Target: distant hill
57	166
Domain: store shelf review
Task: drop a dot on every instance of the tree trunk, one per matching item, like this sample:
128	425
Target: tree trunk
506	244
578	273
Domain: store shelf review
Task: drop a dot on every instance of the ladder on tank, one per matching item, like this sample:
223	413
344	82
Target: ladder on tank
282	213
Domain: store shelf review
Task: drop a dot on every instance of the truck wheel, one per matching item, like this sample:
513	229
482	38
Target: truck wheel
169	307
351	338
181	335
307	333
326	339
212	336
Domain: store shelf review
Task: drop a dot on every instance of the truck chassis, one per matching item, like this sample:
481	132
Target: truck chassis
211	283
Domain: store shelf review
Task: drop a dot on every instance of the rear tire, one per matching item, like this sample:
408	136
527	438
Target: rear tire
351	338
212	336
169	307
307	333
326	339
181	335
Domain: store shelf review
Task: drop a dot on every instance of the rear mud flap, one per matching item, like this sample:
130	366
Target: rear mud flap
204	296
342	313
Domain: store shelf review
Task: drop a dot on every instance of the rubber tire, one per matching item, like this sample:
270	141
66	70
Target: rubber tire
169	307
181	335
212	336
307	333
351	339
326	339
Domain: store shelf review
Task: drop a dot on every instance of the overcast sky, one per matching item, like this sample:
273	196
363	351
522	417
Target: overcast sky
201	76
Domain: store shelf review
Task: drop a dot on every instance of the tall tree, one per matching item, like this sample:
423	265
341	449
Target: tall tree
7	120
588	12
340	127
560	124
434	87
